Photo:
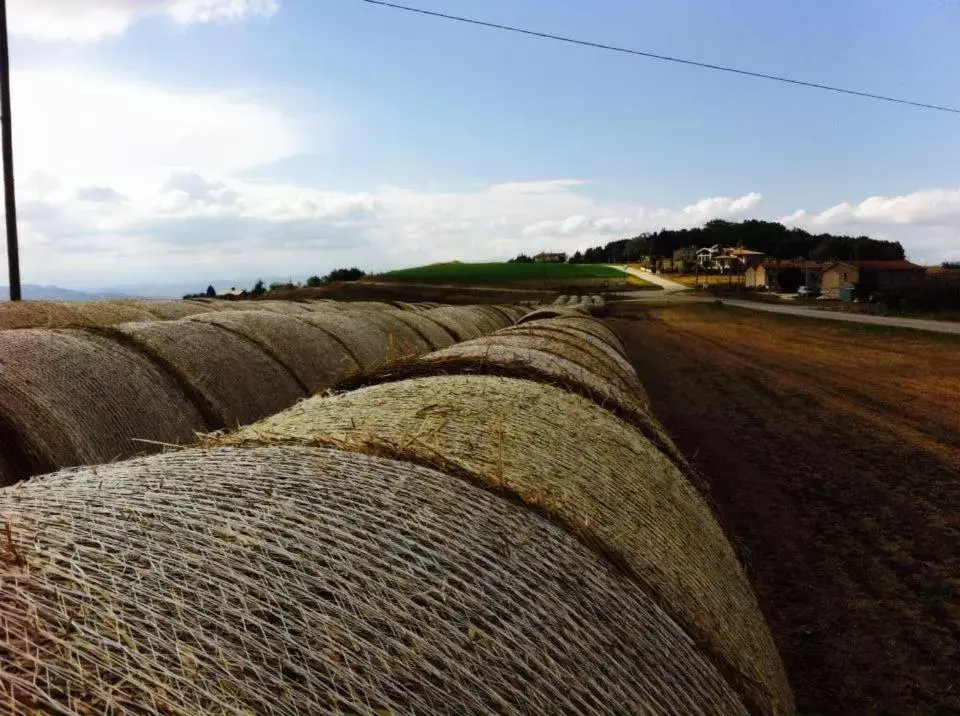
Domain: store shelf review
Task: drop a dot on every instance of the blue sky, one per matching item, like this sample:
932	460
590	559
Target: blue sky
194	140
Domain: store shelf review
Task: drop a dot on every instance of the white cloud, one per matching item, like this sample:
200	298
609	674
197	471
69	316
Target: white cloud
192	225
926	222
78	128
188	222
91	20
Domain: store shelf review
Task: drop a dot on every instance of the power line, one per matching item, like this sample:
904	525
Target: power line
665	58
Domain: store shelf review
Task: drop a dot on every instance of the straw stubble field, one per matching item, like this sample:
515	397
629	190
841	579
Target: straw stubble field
833	455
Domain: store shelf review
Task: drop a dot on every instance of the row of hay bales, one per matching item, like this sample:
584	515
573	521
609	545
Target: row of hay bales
91	395
575	300
487	530
592	303
67	314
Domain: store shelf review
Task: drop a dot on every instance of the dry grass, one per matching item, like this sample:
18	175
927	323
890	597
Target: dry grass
833	452
578	462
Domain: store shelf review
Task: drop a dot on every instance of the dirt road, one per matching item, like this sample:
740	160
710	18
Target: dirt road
833	455
664	283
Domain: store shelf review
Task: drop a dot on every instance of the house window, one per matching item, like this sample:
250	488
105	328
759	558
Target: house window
843	276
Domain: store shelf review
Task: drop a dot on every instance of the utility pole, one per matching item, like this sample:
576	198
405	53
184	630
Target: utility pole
6	138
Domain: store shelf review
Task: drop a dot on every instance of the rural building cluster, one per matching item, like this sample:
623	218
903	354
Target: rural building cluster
832	279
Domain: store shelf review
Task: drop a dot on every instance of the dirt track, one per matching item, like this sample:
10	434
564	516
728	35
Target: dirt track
833	454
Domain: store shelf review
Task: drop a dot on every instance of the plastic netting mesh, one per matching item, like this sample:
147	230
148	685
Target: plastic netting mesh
297	580
567	456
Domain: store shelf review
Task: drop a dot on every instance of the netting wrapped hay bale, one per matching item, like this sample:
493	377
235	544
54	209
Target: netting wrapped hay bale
402	340
68	397
568	457
578	322
315	358
301	580
466	322
497	314
516	312
293	308
578	349
105	313
435	335
596	353
481	358
552	312
230	378
221	304
366	340
172	310
39	314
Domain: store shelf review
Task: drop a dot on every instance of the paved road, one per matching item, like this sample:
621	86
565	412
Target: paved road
664	283
920	324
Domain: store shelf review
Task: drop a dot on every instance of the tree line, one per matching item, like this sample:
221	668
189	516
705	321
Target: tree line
259	288
768	237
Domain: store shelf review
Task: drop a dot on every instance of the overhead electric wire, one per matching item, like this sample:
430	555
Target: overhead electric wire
665	58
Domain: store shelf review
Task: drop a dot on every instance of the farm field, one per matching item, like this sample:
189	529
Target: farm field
833	456
545	276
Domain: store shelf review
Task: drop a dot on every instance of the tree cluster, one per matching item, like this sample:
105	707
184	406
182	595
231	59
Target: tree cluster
769	237
341	274
259	288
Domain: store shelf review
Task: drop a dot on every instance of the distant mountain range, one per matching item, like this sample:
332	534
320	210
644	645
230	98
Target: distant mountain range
36	292
33	292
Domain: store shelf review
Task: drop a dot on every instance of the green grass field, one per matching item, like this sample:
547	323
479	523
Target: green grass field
553	276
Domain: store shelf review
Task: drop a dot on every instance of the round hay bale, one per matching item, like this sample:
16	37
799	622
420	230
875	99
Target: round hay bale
516	311
481	358
435	335
68	398
465	322
600	350
219	304
495	316
172	310
314	358
572	350
39	314
397	339
292	308
607	358
566	456
501	313
560	300
551	312
7	474
106	313
301	580
368	305
230	377
580	322
364	338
